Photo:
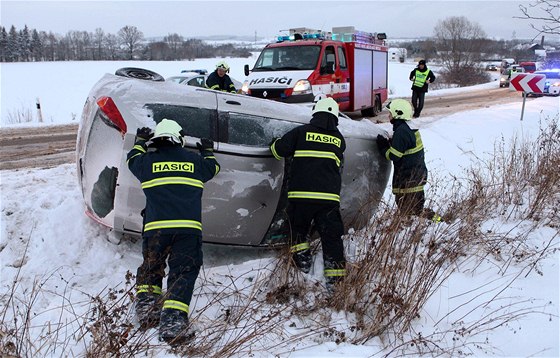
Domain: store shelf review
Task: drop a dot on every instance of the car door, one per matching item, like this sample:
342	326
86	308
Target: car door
251	178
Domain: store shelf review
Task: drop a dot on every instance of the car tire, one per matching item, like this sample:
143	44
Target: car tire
139	73
372	111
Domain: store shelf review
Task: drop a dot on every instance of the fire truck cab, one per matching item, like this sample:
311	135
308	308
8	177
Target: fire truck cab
348	65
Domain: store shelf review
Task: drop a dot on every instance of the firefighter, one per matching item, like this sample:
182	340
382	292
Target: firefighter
314	188
421	76
219	79
406	151
172	180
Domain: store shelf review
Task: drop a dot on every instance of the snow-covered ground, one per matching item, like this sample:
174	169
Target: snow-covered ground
47	241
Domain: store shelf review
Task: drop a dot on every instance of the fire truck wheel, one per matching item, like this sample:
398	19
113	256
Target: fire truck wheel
139	73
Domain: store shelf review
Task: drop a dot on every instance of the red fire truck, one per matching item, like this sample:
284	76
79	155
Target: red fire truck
347	65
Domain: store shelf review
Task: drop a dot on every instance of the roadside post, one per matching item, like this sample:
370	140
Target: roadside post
527	83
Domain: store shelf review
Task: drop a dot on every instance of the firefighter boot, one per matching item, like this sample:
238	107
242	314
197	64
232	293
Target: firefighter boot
173	326
333	275
303	260
147	309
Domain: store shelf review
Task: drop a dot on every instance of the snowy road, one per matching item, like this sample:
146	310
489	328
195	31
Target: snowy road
50	146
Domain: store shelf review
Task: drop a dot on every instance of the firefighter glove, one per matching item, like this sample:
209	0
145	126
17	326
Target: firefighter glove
382	143
205	144
144	134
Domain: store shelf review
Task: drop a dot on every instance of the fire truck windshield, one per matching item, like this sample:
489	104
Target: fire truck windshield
286	58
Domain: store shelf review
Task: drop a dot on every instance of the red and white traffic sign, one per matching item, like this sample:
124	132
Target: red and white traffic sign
527	82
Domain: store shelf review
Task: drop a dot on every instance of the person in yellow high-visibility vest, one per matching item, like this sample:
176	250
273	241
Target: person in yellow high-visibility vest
421	76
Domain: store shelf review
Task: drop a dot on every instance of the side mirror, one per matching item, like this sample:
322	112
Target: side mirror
246	68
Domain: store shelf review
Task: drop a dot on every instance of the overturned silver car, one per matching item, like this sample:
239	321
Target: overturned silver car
245	203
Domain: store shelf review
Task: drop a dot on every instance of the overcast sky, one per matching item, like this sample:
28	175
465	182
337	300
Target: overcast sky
196	18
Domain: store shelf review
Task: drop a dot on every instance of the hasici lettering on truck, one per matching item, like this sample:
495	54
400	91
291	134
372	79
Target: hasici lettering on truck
348	65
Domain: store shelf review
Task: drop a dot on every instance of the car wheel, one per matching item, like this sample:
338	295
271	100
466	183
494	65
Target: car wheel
139	73
373	111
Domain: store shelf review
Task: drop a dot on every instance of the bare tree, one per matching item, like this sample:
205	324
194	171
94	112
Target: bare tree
111	43
174	41
545	11
98	39
460	44
131	38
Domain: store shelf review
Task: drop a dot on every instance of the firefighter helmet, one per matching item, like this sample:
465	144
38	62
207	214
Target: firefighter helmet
223	65
400	109
171	130
328	105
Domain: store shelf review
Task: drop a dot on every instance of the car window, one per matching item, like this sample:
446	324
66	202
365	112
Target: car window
197	81
196	122
254	131
175	79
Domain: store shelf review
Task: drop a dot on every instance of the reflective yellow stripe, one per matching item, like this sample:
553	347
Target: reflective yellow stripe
408	190
215	87
172	180
436	218
313	195
419	145
273	150
135	155
394	152
149	289
316	154
334	272
140	148
176	305
300	247
173	224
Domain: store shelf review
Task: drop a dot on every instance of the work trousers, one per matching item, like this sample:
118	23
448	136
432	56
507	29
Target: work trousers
184	255
410	203
418	101
328	223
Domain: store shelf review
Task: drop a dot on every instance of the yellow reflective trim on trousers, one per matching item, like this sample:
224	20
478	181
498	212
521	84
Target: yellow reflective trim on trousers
334	272
273	150
316	154
408	190
299	247
172	180
176	305
312	195
173	224
140	148
148	289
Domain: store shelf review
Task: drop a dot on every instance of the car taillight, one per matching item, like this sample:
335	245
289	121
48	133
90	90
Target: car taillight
109	108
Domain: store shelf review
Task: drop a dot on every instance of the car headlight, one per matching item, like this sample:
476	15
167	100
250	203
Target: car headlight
502	79
245	87
302	87
555	84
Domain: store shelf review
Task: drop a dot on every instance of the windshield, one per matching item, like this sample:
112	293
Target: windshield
288	58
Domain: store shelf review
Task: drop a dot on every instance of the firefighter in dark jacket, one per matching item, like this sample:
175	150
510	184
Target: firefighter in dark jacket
172	180
406	151
314	188
421	76
219	79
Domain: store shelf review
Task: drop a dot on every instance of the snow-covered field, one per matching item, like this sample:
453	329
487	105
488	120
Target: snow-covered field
47	241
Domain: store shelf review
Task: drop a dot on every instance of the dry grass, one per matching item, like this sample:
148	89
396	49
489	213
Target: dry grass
395	266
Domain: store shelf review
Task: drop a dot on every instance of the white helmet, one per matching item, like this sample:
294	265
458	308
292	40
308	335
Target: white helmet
223	65
400	109
328	105
171	130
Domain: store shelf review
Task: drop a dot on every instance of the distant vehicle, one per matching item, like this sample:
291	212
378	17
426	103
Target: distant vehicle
528	67
197	78
245	203
552	82
506	62
506	74
491	67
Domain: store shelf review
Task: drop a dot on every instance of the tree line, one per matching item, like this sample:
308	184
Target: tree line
29	45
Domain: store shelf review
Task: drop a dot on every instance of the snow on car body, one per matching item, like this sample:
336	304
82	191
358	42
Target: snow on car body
245	203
